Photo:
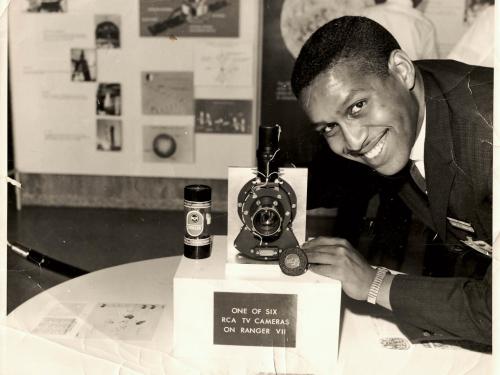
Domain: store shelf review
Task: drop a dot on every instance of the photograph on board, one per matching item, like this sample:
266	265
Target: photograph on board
189	18
168	144
223	116
108	99
167	93
109	135
107	31
83	65
46	6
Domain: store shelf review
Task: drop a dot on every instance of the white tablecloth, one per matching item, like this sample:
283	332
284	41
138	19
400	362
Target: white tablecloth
362	349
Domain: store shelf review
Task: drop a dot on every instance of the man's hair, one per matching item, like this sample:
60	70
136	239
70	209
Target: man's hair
359	41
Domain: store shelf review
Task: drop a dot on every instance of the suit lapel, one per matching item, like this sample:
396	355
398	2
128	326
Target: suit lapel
438	153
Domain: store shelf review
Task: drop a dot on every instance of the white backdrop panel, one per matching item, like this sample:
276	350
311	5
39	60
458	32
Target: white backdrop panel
55	119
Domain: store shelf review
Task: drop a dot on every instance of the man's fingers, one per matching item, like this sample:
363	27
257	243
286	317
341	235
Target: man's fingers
320	257
324	270
325	241
329	249
320	249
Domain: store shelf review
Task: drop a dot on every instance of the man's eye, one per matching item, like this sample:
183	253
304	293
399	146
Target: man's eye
328	129
356	108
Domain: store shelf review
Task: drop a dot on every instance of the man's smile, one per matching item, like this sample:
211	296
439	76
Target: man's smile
375	149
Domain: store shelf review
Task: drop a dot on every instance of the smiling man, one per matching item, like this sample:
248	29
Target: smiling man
429	123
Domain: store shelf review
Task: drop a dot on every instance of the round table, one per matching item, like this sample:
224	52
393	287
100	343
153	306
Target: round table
150	283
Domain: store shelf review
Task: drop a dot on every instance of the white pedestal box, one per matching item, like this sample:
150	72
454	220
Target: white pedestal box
283	325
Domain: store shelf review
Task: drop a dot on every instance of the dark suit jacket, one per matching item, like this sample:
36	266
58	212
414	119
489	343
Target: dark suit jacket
458	168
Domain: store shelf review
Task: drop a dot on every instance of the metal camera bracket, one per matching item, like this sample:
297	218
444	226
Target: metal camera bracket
267	210
238	264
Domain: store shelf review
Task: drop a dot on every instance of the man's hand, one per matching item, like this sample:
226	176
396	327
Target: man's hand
336	258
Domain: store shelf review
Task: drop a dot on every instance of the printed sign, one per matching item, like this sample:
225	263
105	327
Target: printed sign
255	319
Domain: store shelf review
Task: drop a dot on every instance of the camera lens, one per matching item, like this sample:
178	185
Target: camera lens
266	221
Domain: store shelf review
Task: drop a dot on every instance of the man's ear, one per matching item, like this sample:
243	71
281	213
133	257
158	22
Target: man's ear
401	66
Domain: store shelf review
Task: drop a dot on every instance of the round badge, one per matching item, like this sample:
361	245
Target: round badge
293	261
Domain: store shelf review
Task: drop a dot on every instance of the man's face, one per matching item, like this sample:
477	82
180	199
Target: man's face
363	117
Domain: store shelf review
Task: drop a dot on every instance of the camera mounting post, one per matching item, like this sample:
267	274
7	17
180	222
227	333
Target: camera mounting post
265	214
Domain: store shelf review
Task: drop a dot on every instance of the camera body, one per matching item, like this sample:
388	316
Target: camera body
267	210
266	204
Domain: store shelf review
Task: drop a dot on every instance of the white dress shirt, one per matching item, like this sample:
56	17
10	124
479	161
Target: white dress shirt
417	152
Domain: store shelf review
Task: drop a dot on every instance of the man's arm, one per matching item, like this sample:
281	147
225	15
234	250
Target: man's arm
427	308
443	308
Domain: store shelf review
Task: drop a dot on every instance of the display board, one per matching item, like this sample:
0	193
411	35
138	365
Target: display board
133	87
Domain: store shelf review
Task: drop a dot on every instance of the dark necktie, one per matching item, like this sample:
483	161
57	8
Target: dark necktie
417	177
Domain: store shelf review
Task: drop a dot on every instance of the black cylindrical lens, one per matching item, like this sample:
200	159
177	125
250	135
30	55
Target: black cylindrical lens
268	145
